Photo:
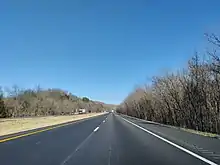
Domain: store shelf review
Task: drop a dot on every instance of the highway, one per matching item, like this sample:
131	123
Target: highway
104	140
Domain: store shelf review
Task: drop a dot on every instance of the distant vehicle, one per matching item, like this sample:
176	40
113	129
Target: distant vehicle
82	111
112	111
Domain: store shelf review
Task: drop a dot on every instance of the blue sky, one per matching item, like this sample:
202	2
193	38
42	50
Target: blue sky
100	49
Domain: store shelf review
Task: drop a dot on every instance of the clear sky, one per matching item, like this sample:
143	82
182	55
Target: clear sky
99	48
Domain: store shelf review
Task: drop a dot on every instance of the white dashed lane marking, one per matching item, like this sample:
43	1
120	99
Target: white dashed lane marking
96	129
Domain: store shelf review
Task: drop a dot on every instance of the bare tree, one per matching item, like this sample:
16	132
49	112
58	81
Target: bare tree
190	98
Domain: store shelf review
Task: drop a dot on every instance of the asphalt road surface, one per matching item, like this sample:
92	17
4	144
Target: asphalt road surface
103	140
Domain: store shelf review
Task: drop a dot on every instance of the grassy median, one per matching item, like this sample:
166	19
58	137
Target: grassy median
9	126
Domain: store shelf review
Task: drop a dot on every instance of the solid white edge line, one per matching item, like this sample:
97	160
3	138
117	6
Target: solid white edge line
96	129
173	144
103	121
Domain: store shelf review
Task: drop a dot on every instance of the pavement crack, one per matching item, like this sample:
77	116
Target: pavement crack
109	155
76	150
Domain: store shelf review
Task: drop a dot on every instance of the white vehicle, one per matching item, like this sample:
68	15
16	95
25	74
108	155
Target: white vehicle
81	111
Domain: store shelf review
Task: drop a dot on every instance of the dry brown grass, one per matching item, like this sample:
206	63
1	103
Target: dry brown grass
200	133
9	126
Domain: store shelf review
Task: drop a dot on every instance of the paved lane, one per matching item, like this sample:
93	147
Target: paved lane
47	148
202	145
94	142
119	143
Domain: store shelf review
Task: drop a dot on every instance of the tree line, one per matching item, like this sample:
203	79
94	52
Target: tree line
189	98
18	102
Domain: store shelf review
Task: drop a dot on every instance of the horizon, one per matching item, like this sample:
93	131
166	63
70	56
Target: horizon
6	91
100	50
